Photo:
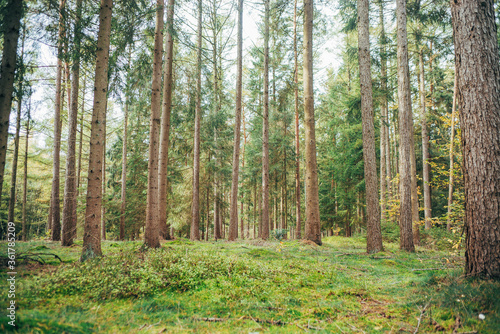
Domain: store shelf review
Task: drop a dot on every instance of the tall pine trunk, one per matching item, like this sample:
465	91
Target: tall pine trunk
25	179
297	141
425	145
195	206
374	234
452	145
151	231
165	125
233	216
55	210
475	36
11	25
405	131
92	234
69	207
264	226
313	227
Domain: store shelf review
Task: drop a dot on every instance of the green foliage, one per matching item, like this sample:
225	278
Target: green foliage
279	233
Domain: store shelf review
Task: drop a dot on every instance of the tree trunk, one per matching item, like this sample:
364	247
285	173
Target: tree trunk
55	218
92	234
80	147
385	166
124	170
165	126
264	226
297	141
151	232
13	11
425	146
414	192
313	228
374	234
475	36
69	207
195	206
25	183
233	219
103	206
12	200
452	140
405	131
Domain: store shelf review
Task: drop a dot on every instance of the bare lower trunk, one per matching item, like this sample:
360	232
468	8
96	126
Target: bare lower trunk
151	231
92	234
405	131
165	127
313	227
475	36
374	235
103	207
297	141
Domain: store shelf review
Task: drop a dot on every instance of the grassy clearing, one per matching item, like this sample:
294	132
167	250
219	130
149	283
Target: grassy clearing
248	287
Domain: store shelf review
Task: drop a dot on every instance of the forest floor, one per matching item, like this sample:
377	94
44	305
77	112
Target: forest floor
247	287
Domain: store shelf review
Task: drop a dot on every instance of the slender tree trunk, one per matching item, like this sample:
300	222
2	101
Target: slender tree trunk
69	207
374	234
313	228
405	131
11	24
297	141
103	207
195	208
452	140
208	210
264	227
12	200
165	126
124	171
55	218
233	220
425	146
475	37
151	232
414	193
91	234
80	147
25	183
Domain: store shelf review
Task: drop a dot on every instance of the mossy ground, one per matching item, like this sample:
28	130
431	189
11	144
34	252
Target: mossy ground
249	287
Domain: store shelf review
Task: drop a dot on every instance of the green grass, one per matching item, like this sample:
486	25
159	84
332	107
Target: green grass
250	286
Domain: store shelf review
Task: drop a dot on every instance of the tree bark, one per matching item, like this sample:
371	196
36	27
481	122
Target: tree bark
374	234
264	226
11	26
151	232
165	125
233	216
195	206
313	227
103	206
124	171
405	131
478	70
92	234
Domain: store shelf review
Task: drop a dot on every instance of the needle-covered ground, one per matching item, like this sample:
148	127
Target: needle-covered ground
248	287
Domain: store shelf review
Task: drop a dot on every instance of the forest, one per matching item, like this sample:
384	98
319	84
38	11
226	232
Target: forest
224	166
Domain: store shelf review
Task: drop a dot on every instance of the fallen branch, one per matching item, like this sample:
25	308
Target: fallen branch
212	319
424	269
420	318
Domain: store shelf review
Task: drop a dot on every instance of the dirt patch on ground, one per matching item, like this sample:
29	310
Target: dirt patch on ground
309	243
